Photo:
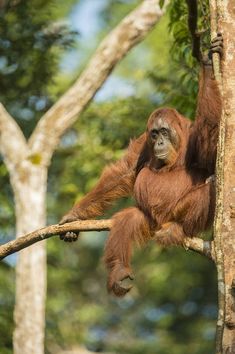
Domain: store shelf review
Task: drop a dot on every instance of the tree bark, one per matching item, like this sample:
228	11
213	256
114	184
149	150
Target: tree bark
224	230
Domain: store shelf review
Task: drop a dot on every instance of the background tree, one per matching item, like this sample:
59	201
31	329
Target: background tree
31	41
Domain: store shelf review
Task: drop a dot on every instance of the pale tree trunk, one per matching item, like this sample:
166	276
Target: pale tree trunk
225	215
29	315
29	179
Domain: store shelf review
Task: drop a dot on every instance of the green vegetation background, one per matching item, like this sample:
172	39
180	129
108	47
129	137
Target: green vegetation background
172	308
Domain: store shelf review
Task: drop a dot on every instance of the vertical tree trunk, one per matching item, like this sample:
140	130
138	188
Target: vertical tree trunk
225	221
30	192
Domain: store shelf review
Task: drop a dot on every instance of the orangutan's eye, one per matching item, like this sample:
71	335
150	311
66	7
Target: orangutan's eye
154	133
164	131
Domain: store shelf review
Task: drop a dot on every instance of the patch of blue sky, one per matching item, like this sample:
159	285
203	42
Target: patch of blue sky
115	87
85	18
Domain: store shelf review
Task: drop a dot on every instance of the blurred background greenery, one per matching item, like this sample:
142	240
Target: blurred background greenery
44	45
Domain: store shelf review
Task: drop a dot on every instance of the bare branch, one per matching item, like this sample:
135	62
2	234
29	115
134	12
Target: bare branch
198	245
194	244
112	49
49	231
13	144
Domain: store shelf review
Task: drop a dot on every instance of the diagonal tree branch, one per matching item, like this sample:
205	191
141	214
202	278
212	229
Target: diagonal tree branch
112	49
13	144
195	244
64	113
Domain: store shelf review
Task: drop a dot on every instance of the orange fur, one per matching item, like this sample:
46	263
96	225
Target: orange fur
130	226
116	181
170	233
174	195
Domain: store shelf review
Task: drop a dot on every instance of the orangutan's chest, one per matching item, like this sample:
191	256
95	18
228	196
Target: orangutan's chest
160	190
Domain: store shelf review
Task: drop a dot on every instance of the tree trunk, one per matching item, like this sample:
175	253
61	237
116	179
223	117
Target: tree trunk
225	218
29	315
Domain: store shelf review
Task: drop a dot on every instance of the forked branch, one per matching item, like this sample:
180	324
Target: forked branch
13	146
130	31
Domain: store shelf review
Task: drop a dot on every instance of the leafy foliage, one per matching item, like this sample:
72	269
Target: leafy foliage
30	46
32	40
184	68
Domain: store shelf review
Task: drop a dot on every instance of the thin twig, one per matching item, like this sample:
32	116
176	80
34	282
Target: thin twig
194	244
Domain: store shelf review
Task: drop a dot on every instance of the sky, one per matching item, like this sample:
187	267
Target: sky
86	20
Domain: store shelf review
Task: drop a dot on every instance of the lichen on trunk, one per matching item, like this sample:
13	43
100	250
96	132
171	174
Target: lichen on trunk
224	230
30	193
